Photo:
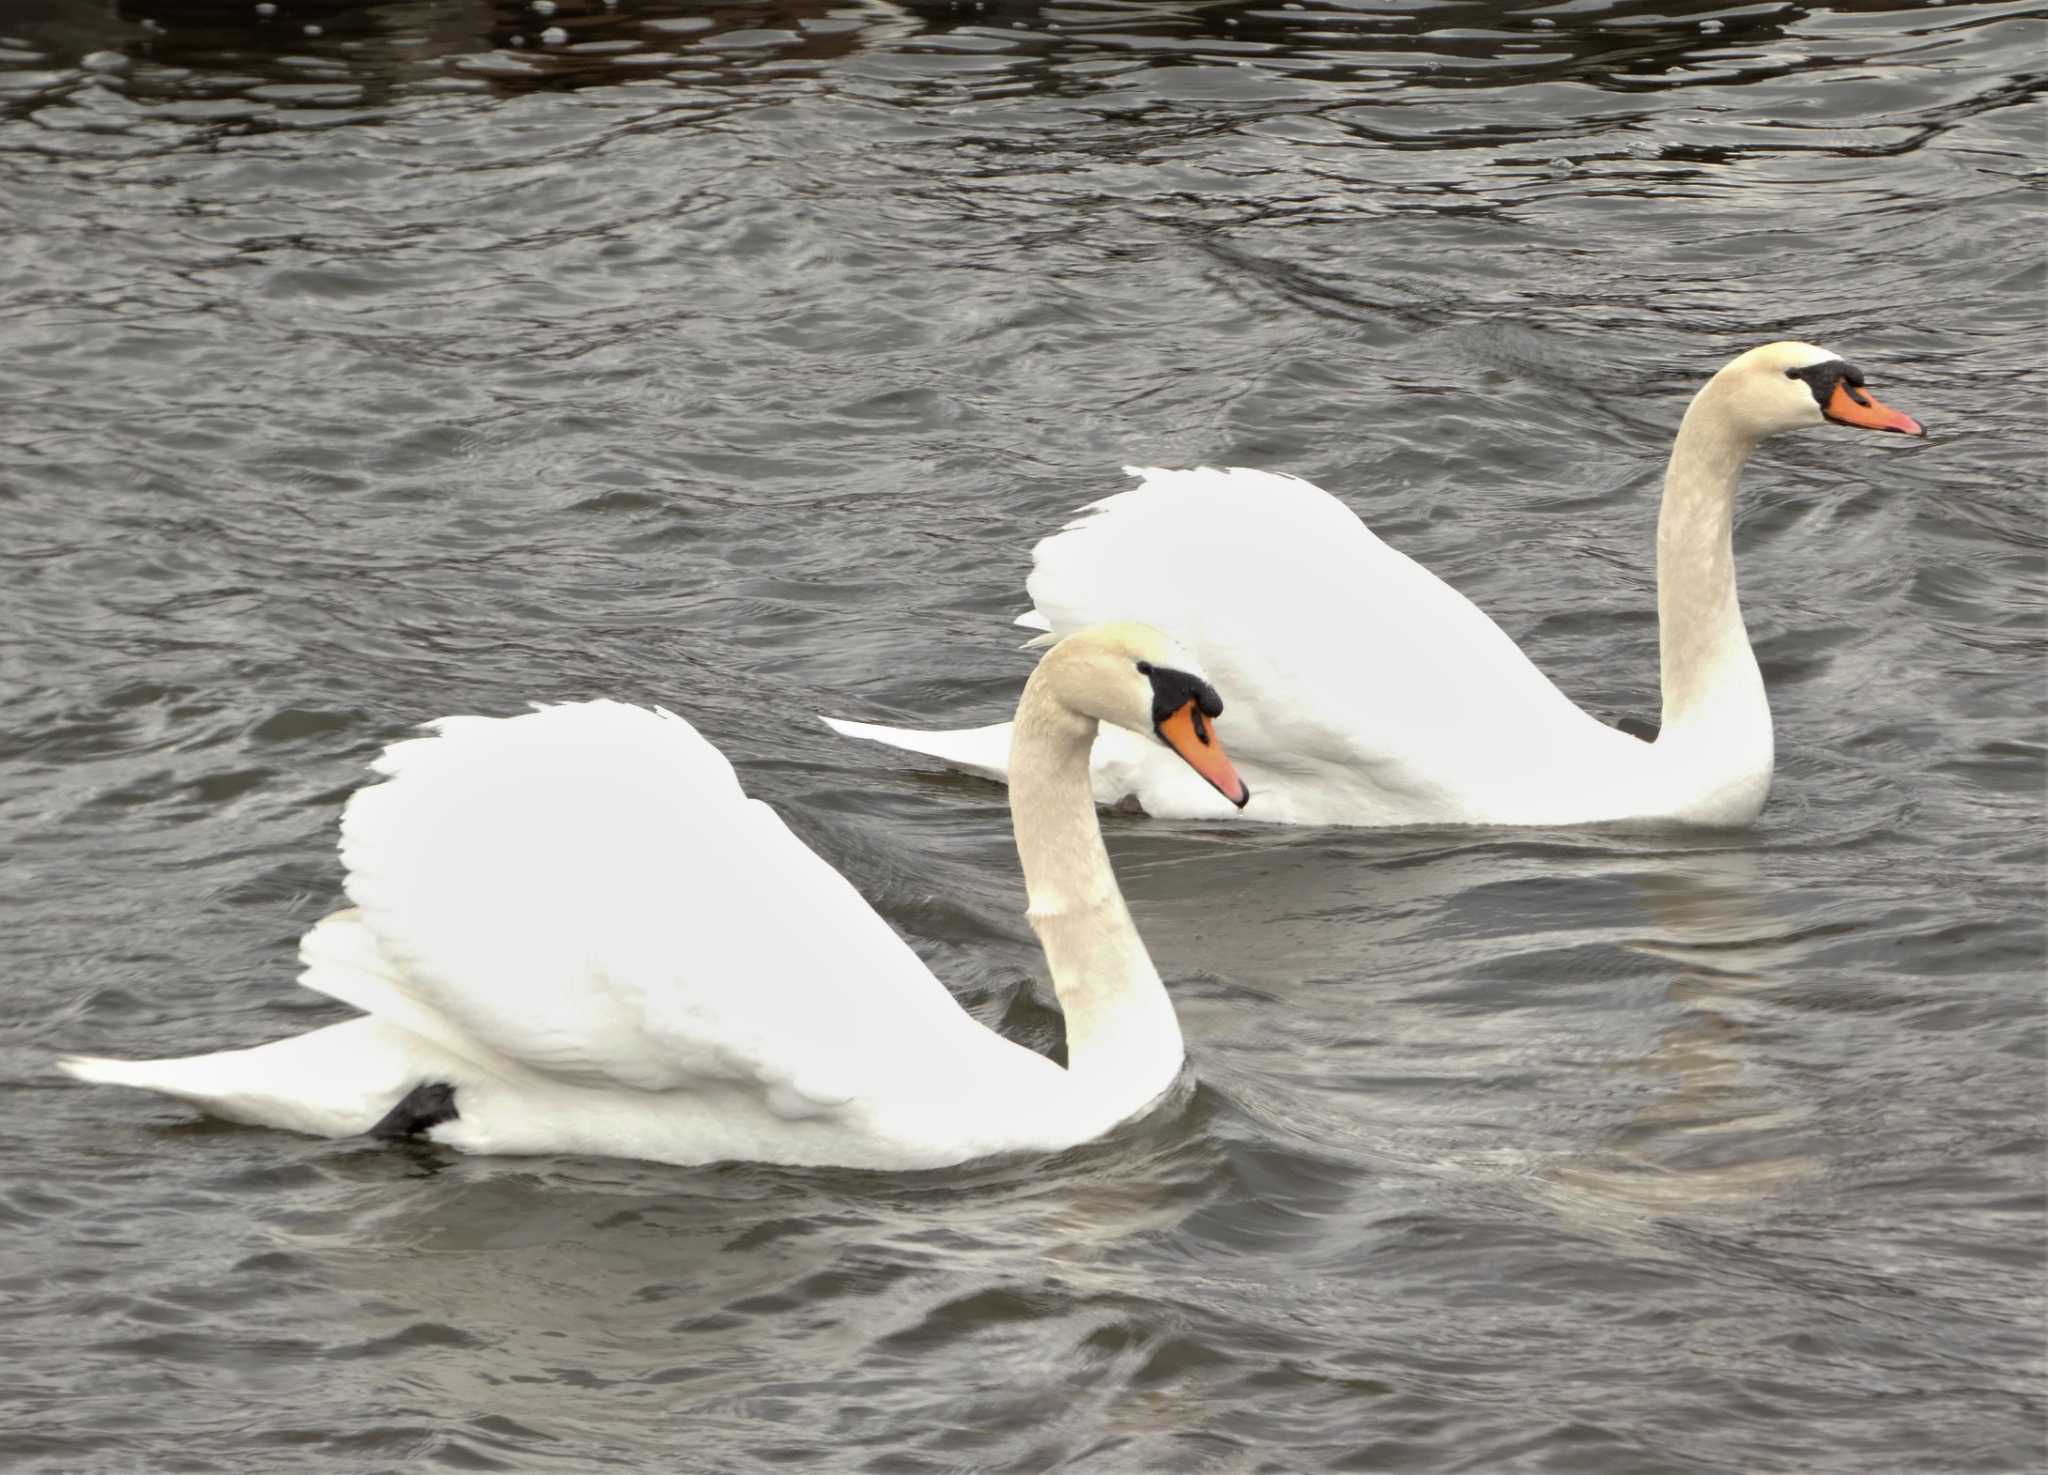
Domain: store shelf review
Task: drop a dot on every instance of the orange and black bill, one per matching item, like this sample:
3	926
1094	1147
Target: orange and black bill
1192	734
1852	404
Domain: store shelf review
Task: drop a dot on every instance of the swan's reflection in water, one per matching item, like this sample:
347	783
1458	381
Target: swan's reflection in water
1564	1010
1714	1139
1372	1018
1451	1060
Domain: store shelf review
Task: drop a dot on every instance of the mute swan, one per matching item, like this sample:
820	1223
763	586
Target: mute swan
573	932
1366	691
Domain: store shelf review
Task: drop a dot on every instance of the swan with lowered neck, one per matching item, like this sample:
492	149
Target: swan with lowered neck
1366	691
573	932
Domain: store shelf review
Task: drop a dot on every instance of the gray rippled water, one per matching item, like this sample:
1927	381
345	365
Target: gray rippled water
365	362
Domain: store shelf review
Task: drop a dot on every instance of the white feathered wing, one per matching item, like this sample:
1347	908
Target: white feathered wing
585	894
1362	689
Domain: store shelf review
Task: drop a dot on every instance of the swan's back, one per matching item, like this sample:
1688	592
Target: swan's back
584	893
1343	657
574	932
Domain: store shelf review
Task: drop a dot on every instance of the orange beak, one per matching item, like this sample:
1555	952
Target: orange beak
1849	405
1193	736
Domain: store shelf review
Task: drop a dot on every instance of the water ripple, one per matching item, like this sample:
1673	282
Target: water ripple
371	362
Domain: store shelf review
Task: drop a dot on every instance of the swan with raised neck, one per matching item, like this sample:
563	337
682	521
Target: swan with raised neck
1714	752
1367	691
574	933
1122	1036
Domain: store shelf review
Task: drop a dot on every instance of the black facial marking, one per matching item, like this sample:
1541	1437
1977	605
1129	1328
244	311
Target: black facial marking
1822	378
1172	690
422	1107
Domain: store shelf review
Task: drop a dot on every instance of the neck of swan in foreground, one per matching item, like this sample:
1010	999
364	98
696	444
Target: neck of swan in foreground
1123	1041
1715	714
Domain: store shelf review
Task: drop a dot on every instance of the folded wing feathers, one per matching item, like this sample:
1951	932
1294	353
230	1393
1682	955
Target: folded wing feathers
343	960
586	892
1304	619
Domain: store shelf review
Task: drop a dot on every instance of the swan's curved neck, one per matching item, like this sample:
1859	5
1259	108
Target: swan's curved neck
1713	692
1122	1037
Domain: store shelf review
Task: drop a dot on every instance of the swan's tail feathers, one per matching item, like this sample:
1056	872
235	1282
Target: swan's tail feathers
147	1075
333	1082
978	750
222	1084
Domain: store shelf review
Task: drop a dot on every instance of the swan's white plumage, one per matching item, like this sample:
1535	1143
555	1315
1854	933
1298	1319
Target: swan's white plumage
1364	690
653	950
978	750
1353	670
578	921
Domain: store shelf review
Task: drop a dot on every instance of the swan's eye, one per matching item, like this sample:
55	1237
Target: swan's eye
1821	378
1173	690
1144	668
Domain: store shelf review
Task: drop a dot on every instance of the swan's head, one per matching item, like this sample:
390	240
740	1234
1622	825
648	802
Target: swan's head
1789	386
1139	679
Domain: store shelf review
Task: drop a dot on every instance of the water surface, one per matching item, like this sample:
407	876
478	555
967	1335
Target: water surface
364	363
